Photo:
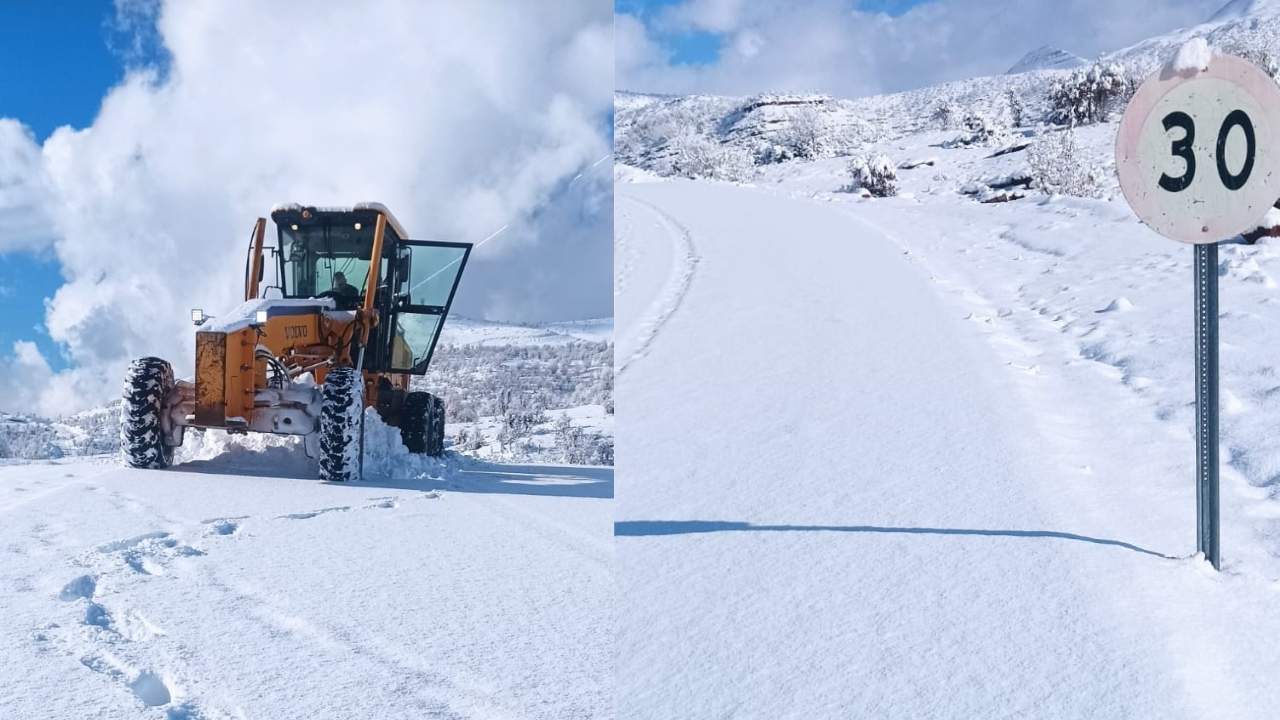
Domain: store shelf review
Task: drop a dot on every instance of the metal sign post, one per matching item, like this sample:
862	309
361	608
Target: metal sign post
1206	339
1198	157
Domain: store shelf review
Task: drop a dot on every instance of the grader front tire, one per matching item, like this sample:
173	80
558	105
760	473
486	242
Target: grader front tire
147	383
341	425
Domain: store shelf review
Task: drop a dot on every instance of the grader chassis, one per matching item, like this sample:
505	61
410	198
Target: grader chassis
310	360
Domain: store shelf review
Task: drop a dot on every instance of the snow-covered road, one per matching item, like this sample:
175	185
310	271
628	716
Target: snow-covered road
207	592
846	495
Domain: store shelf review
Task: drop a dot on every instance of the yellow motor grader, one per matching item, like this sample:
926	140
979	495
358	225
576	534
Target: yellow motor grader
355	309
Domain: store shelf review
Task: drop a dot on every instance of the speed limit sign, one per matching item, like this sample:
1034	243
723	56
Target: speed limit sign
1198	155
1198	152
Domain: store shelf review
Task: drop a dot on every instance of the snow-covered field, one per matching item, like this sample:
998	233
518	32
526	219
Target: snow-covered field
237	586
924	457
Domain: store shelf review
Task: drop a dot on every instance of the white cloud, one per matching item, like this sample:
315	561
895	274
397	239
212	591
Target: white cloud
23	199
830	46
459	116
719	16
22	378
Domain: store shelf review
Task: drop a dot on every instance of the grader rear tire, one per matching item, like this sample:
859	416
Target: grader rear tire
147	383
422	424
341	425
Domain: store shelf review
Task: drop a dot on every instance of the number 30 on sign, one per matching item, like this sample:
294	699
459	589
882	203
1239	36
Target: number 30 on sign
1198	152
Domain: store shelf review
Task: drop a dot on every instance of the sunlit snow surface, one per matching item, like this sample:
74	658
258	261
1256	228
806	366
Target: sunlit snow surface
236	585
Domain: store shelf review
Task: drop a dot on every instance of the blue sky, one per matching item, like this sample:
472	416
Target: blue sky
55	67
701	48
853	48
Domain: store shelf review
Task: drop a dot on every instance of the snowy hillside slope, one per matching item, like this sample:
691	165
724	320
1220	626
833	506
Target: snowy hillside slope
654	132
467	331
1244	27
236	586
939	446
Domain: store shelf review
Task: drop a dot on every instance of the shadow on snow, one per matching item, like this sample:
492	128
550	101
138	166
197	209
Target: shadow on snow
557	480
646	528
471	477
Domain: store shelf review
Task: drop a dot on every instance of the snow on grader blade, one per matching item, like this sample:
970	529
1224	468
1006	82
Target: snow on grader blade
332	334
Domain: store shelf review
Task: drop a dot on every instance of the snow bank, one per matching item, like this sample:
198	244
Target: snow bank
385	456
257	452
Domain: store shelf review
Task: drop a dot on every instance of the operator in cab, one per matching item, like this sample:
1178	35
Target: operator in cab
345	295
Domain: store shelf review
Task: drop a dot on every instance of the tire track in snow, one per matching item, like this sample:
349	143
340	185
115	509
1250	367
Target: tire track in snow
597	551
660	310
436	693
28	496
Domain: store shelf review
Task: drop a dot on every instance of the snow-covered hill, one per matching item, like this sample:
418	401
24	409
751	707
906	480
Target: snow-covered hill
467	331
1046	57
727	137
1241	9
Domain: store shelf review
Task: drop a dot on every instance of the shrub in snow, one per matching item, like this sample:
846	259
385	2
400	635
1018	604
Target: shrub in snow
875	174
803	137
1014	104
468	441
944	113
1090	95
981	129
517	428
1058	168
695	156
577	446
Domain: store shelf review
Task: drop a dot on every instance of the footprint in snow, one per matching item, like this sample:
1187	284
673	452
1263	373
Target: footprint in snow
313	513
150	687
223	526
386	503
134	541
96	615
81	587
145	553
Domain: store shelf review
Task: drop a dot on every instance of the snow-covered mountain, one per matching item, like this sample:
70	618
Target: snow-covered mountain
1046	57
1237	9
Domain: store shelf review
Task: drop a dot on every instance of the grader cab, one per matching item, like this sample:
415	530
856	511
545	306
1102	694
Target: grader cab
354	310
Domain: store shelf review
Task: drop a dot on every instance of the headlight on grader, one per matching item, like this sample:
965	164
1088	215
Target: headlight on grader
198	317
261	317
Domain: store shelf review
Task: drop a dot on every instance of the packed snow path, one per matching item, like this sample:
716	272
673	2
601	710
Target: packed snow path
846	496
655	261
203	593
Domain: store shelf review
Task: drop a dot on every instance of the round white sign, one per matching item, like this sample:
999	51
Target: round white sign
1198	152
